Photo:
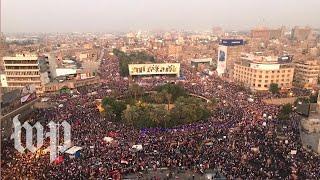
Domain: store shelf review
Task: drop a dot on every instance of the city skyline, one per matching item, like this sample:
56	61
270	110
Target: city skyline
125	15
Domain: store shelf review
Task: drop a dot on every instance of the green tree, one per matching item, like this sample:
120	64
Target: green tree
285	111
131	115
301	100
173	89
113	108
157	98
188	110
168	97
314	98
135	90
159	115
125	59
274	88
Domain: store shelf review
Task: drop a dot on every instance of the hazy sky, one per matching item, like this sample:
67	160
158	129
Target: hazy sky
125	15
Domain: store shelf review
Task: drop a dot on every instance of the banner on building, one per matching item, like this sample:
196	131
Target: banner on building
222	60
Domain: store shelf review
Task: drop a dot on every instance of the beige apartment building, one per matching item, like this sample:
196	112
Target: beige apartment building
22	70
258	75
307	73
265	33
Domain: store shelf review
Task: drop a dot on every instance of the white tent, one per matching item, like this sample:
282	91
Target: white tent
73	150
108	139
250	99
137	147
293	152
45	99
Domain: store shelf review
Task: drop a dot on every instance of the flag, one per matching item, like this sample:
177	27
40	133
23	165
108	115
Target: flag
124	161
58	160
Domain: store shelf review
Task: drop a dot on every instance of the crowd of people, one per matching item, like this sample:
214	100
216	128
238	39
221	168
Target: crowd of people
242	139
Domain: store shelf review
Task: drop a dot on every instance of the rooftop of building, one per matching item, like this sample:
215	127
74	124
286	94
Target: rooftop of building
21	57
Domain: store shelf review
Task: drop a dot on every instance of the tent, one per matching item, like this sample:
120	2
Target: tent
250	99
293	152
108	139
45	99
74	151
137	147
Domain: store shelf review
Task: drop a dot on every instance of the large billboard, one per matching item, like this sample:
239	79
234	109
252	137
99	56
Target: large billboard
232	42
154	69
222	60
265	66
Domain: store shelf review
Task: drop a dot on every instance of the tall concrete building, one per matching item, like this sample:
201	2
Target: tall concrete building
229	51
22	70
265	33
258	73
307	73
301	33
2	51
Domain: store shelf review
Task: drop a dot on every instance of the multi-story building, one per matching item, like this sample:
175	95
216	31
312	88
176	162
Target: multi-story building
307	73
264	33
301	33
258	73
22	70
2	51
174	50
229	51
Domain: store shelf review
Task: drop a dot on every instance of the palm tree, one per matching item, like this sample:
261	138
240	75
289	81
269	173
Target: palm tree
168	96
135	90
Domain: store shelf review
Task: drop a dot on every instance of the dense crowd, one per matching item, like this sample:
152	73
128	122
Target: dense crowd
243	139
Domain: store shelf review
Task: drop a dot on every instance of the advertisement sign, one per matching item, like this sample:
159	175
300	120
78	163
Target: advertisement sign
222	60
152	69
265	66
285	59
232	42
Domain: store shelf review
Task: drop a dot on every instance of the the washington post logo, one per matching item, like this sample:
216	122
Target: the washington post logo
53	134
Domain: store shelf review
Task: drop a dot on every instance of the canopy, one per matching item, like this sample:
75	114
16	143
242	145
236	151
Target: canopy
45	99
137	147
293	152
108	139
73	150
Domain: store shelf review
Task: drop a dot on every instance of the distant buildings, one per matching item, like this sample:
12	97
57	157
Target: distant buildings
264	33
174	51
307	73
301	33
258	72
2	51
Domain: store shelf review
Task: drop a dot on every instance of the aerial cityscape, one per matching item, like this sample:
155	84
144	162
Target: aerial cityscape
170	89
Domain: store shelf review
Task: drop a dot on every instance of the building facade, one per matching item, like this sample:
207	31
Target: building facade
229	52
307	73
259	75
301	33
22	70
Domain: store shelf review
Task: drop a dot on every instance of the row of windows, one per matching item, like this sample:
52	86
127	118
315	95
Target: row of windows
266	81
260	76
22	73
268	85
22	67
263	71
23	79
22	84
21	62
